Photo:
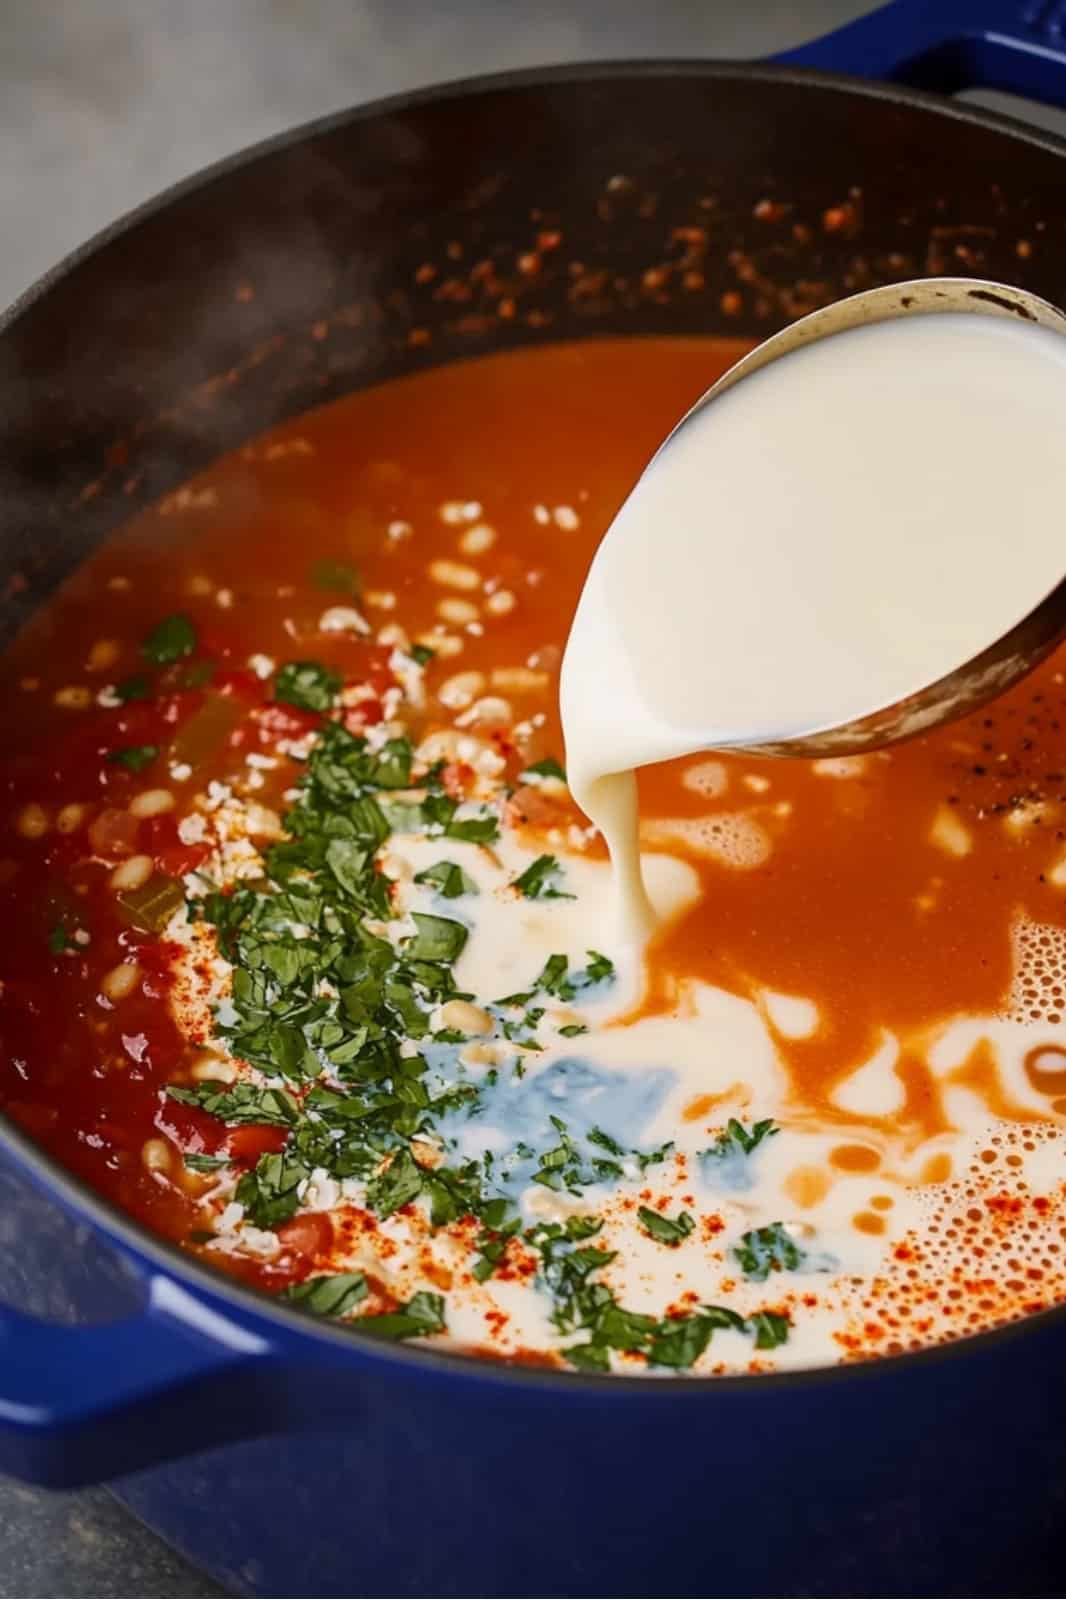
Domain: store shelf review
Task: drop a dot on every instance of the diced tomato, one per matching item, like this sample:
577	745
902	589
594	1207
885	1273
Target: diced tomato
181	859
309	1236
256	1139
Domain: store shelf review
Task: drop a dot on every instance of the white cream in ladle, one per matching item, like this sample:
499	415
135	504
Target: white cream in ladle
836	531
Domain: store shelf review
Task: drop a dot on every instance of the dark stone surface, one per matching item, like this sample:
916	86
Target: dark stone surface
104	102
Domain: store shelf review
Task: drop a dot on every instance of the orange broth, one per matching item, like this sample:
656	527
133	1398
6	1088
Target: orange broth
860	905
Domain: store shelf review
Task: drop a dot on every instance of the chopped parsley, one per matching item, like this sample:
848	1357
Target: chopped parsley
331	1016
329	1295
738	1140
422	654
437	938
422	1315
449	880
239	1102
540	881
270	1193
170	640
548	768
307	684
59	941
196	1162
765	1250
666	1229
134	757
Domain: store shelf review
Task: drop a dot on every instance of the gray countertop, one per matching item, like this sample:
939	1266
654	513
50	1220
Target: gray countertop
105	102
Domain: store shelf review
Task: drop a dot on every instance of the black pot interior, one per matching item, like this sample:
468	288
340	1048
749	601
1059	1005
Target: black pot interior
569	204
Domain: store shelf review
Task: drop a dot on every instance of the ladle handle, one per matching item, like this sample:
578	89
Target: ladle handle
1015	45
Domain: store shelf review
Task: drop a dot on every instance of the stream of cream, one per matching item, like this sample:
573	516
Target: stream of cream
838	530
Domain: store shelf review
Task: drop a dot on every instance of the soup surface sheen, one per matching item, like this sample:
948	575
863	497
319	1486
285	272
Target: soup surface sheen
310	964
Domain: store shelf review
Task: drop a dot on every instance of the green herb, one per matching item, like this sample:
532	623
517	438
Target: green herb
437	938
239	1103
135	688
422	1315
170	640
422	654
400	1183
766	1250
335	575
680	1341
201	1163
135	757
449	880
572	1030
738	1140
59	940
548	768
599	968
307	684
553	978
540	880
770	1328
329	1295
270	1192
665	1229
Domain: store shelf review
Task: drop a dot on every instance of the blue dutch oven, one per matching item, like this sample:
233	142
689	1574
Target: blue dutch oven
289	1457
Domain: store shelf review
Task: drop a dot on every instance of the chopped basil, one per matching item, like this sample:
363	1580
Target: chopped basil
770	1328
238	1103
548	768
170	640
201	1163
437	938
270	1193
738	1140
336	575
134	757
599	968
665	1229
59	940
765	1250
449	880
328	1295
422	1315
572	1030
422	654
307	684
540	880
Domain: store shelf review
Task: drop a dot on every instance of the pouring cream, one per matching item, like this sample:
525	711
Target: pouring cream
837	531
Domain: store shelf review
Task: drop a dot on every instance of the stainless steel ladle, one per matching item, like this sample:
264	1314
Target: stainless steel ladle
1004	660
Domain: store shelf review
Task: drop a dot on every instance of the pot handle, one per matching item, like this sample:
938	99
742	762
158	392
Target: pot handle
1015	45
82	1404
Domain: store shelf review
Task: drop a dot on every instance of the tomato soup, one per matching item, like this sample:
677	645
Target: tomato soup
310	966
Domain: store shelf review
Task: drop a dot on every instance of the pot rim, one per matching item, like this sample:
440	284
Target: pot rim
130	1236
